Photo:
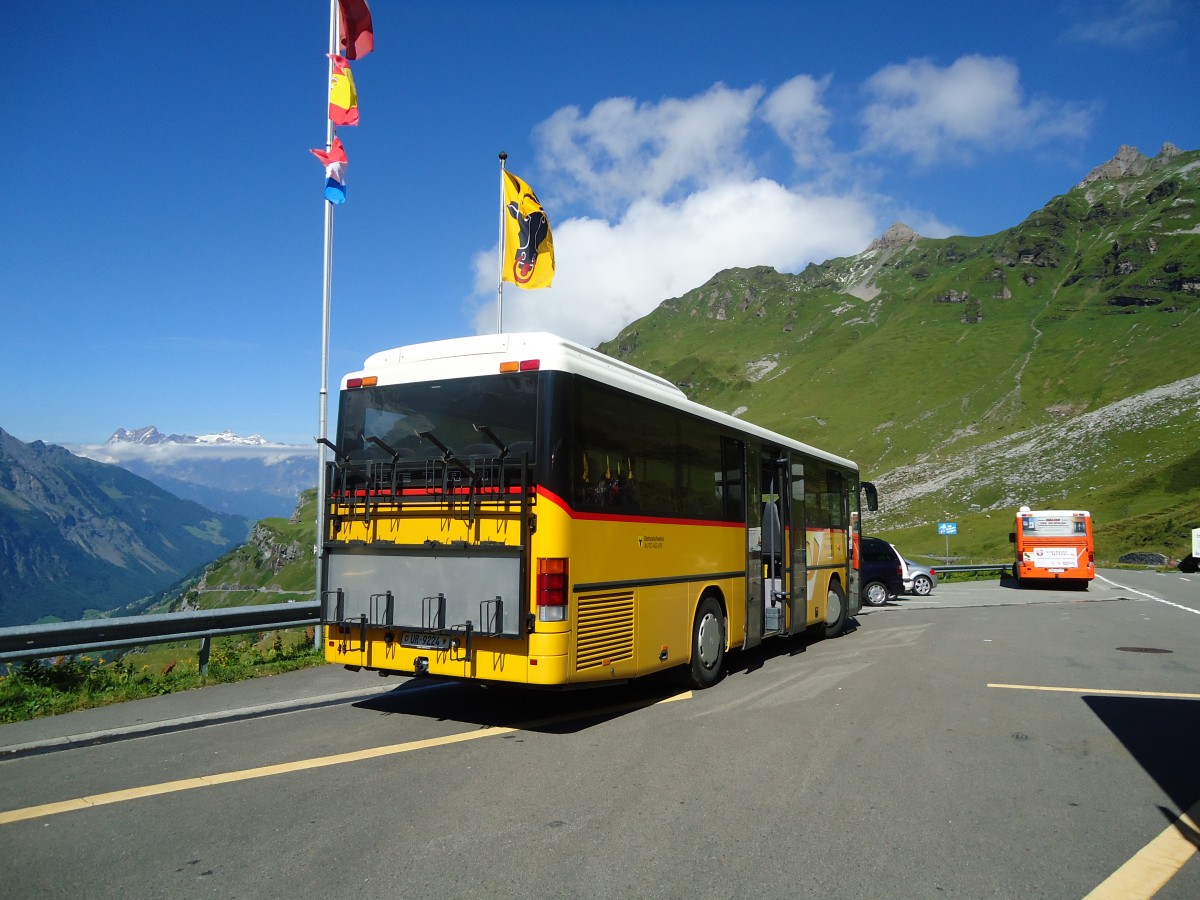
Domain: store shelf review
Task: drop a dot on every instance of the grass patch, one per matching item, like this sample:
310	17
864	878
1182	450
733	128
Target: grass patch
66	683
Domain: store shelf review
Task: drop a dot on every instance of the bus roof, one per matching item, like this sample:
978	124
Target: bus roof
482	355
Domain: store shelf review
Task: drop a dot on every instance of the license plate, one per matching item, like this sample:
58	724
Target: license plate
426	641
1057	571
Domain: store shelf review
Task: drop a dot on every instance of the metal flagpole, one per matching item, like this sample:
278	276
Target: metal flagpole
326	296
500	268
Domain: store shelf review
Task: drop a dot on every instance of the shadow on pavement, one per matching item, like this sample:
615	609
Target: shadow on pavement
530	709
1161	734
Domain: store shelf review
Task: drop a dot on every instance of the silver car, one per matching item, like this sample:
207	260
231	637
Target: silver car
918	579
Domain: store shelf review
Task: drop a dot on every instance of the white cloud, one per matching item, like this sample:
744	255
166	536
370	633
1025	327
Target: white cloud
801	120
168	454
1134	23
623	151
609	274
667	194
976	103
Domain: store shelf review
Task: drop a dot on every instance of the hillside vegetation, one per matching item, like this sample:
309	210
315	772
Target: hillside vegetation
1053	364
275	565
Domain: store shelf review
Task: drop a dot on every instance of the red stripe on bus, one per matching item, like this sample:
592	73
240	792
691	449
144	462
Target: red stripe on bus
616	517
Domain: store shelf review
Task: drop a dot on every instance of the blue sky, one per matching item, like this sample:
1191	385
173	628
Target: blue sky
163	217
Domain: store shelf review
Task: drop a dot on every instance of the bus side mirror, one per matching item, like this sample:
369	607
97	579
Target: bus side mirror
872	496
1012	537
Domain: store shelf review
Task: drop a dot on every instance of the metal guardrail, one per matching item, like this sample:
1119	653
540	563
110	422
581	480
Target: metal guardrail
983	567
91	635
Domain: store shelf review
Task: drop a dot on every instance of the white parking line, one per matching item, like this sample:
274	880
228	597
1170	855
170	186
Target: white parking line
1149	596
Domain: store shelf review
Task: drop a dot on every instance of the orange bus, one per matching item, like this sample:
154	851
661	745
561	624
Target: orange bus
518	508
1054	545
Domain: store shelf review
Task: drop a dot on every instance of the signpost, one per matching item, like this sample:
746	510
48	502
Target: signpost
947	528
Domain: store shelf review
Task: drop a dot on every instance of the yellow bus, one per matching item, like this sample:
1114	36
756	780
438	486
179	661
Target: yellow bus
518	508
1054	545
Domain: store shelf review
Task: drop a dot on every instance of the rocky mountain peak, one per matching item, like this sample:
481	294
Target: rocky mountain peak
148	435
897	235
151	435
1128	161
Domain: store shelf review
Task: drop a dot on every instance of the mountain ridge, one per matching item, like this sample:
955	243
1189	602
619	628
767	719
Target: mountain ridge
149	435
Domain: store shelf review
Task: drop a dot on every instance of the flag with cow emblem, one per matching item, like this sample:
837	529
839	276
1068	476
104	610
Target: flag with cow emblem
335	171
528	247
343	98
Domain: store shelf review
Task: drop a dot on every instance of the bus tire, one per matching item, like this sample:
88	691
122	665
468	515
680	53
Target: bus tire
708	644
837	610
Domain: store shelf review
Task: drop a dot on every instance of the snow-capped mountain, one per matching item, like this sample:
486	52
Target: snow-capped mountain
151	435
249	476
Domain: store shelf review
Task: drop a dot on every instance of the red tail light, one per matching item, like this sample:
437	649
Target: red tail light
552	589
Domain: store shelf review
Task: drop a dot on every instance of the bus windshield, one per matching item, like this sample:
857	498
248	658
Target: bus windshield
457	413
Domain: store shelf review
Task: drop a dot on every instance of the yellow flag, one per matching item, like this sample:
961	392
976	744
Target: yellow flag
528	247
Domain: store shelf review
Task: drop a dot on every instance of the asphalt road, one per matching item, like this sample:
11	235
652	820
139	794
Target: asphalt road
984	742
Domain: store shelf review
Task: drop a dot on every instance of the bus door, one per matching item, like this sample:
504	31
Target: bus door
798	576
753	462
776	541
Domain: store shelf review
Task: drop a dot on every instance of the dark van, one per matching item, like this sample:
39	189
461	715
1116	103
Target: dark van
879	573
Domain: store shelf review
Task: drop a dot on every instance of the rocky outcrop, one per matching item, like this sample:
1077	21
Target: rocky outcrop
273	554
898	235
1129	162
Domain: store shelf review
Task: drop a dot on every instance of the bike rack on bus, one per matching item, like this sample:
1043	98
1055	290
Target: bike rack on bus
342	624
381	485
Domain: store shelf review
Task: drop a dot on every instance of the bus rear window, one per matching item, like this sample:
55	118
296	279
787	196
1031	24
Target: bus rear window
449	411
1053	525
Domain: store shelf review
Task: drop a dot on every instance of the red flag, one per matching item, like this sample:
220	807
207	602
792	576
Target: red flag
358	35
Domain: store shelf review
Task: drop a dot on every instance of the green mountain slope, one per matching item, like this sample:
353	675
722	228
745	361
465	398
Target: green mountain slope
275	565
942	353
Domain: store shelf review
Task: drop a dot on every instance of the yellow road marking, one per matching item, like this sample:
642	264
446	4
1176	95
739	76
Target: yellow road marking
1148	870
187	784
1154	865
1070	690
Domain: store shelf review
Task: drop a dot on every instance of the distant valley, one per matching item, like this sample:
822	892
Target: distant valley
80	537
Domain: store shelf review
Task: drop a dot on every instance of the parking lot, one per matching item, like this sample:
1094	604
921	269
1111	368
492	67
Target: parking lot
984	741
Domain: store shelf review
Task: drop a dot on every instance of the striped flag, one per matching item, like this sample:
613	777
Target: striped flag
335	171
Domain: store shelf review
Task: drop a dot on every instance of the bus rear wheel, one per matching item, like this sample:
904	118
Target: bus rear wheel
708	644
836	610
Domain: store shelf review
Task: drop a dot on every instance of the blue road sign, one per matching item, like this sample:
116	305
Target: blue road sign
947	528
